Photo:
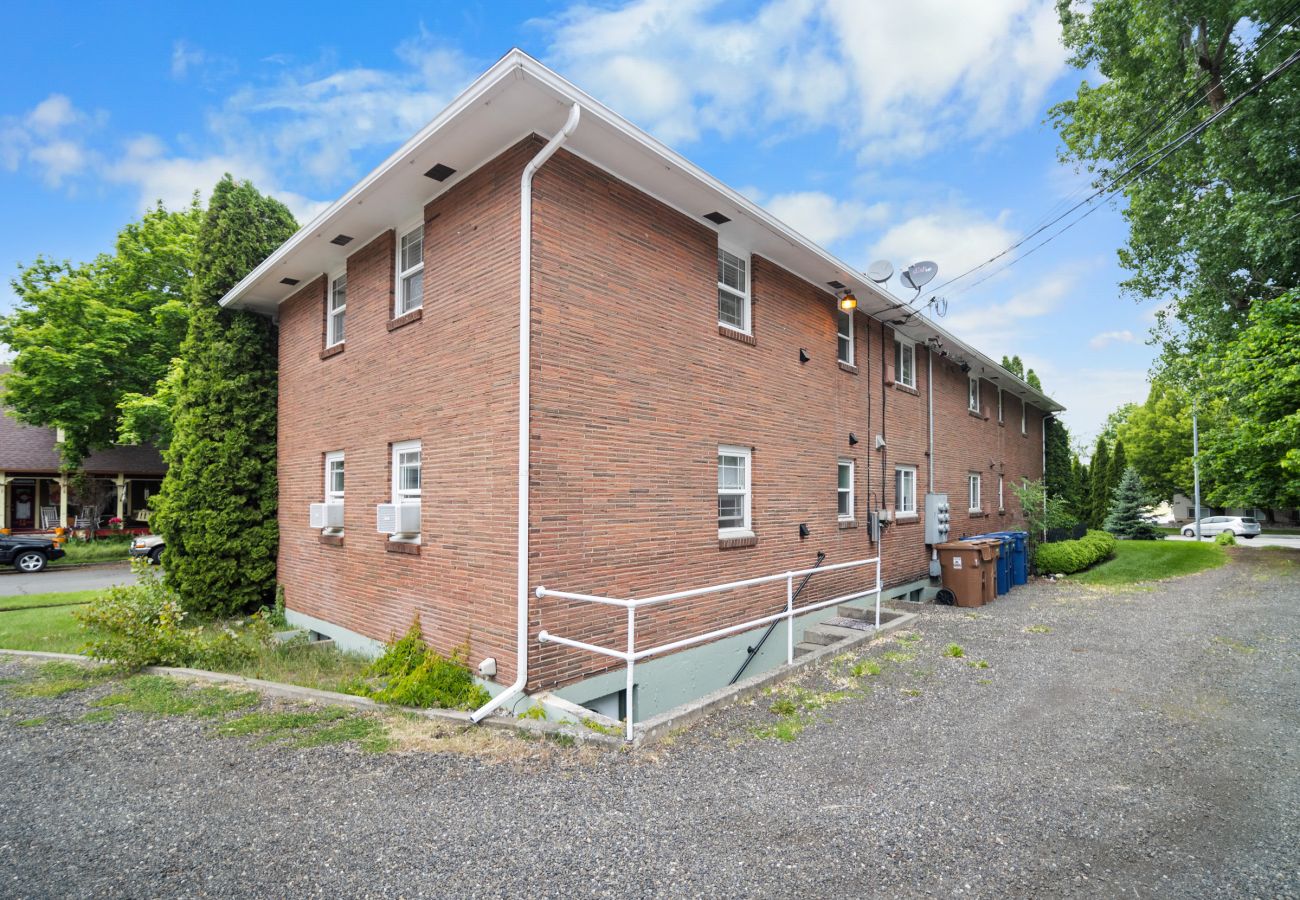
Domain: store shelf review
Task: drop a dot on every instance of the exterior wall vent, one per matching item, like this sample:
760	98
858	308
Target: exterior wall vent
341	239
717	218
440	172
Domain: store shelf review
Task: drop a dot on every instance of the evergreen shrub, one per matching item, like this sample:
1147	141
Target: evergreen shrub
1068	557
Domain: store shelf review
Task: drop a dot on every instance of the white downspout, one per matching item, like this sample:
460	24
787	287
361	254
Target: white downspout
525	405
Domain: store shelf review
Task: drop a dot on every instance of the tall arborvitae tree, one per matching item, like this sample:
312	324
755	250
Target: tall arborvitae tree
1057	472
217	507
1081	488
1099	496
1118	463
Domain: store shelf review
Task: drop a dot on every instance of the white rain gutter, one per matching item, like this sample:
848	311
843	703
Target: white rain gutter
525	406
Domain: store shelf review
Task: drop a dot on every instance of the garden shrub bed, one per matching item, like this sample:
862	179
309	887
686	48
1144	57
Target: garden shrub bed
1068	557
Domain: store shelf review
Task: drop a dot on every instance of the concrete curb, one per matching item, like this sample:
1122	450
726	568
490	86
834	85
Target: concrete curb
656	727
60	567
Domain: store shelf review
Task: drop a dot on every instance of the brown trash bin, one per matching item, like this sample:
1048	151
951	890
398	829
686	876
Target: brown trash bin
963	571
989	548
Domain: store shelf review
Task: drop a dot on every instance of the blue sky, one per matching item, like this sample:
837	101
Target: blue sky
903	131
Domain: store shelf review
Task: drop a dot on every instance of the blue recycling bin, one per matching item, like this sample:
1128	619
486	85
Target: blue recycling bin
1019	556
1005	551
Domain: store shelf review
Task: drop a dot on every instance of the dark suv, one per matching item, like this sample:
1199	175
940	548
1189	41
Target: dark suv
28	554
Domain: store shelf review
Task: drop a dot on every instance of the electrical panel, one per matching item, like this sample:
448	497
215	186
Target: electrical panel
936	518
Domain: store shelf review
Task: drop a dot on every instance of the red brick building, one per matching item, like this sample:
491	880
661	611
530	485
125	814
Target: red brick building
698	409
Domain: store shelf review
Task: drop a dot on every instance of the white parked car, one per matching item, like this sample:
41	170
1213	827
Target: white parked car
1238	526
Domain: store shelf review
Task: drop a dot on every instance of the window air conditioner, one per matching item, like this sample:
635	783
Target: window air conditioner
398	518
327	515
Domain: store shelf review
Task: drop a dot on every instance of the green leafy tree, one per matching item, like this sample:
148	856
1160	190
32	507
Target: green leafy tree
1158	439
84	336
1127	507
217	506
1115	421
1041	511
1014	366
1252	447
1031	378
1098	492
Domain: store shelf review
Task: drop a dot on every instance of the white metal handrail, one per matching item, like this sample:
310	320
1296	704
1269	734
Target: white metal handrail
631	654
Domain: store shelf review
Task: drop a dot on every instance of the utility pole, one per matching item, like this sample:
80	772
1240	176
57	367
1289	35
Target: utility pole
1196	472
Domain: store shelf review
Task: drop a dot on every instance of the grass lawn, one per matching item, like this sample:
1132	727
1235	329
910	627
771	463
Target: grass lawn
1151	560
53	629
31	601
108	549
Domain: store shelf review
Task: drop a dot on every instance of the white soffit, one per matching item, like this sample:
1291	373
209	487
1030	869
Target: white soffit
519	96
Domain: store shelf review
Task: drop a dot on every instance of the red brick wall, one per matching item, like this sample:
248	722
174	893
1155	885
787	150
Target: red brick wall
634	390
447	379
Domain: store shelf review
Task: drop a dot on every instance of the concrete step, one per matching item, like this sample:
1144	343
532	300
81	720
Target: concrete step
803	649
825	635
856	612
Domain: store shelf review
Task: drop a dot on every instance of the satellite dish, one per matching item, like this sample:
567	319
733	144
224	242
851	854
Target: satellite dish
905	276
918	275
880	271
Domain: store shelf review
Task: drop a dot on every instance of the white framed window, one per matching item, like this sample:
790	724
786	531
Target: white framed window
973	482
999	406
733	290
905	362
844	336
973	394
334	477
734	492
905	490
337	310
1023	430
1001	504
410	270
406	472
844	501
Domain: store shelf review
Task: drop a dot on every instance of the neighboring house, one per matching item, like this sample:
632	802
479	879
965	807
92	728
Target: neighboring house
699	409
1184	511
35	495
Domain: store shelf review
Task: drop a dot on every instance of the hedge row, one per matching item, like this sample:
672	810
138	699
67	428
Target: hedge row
1067	557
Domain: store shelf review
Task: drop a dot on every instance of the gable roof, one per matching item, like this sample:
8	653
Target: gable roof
519	96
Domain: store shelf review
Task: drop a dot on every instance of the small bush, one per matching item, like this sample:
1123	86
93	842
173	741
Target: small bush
410	674
1067	557
143	625
1225	539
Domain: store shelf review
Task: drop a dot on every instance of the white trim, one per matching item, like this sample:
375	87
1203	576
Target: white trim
974	492
746	492
851	514
899	507
901	344
331	495
845	315
746	325
407	495
332	337
399	296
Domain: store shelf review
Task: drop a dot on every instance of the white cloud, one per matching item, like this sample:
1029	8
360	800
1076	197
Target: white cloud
51	138
1110	337
893	79
956	239
1090	395
823	218
184	57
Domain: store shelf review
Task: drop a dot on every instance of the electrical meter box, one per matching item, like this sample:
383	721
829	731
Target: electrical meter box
936	518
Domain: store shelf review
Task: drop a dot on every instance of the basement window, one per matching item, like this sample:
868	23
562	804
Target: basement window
410	271
733	291
733	492
973	394
905	363
844	337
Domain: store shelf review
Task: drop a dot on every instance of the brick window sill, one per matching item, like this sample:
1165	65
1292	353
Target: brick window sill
733	543
414	315
907	390
331	540
847	367
331	351
848	523
975	415
728	332
408	548
1002	512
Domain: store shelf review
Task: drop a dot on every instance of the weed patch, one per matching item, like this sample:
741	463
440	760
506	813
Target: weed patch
54	679
155	695
99	715
1038	629
954	651
865	667
978	663
311	728
410	674
897	657
32	723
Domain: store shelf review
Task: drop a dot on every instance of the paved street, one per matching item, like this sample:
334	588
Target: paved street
1291	541
1140	742
57	579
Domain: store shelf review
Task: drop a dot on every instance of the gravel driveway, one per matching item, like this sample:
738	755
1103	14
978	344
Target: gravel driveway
1140	742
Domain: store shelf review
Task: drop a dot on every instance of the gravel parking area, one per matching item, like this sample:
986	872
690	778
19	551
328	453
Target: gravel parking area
1136	742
